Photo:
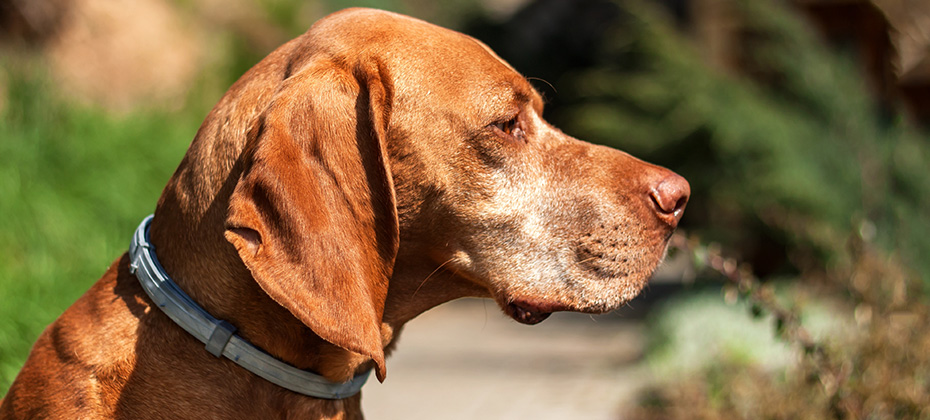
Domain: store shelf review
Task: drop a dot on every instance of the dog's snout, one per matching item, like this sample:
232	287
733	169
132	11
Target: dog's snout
669	196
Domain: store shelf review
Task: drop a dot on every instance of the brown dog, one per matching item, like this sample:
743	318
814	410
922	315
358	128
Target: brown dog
361	174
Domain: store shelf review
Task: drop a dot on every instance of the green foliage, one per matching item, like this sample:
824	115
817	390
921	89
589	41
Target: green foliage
75	182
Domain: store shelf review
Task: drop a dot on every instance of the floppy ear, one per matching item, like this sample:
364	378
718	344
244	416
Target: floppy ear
313	215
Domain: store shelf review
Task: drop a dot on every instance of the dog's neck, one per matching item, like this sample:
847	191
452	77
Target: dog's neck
191	247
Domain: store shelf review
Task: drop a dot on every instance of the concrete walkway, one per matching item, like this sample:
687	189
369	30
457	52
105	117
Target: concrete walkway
466	360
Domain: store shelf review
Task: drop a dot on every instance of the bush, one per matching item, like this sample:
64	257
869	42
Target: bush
877	369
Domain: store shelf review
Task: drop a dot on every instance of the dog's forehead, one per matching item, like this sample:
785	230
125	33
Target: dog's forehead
427	55
361	28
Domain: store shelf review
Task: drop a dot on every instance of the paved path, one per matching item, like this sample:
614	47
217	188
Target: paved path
466	360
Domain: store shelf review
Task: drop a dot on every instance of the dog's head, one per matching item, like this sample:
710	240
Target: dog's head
376	132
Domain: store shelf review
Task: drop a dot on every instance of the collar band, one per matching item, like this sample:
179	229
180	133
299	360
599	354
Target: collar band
218	335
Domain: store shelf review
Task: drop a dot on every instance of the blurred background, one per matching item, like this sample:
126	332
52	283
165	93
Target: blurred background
796	288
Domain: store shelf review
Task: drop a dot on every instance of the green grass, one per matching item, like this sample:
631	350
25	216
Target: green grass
74	182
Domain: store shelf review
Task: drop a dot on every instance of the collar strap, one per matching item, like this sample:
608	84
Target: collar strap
219	336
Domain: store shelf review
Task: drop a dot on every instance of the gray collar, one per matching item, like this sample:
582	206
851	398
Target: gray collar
219	335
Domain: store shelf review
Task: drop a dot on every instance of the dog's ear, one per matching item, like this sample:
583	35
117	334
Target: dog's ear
313	215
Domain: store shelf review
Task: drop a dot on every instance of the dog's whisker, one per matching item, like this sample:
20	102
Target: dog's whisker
431	275
586	260
544	81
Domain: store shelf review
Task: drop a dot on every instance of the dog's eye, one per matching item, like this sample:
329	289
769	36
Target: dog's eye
511	128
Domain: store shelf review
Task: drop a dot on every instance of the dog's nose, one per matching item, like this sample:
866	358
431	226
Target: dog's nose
669	196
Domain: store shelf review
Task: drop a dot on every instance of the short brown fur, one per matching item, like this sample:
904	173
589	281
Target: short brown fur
361	174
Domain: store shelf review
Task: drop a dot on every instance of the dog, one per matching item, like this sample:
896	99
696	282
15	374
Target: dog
359	175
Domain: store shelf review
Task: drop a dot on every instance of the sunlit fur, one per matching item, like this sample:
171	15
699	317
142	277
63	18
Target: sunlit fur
361	174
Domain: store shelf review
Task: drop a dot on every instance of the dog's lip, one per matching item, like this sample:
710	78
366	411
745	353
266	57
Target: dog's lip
525	315
532	311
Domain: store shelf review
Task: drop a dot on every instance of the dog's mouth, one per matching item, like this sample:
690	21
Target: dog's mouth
526	314
531	312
